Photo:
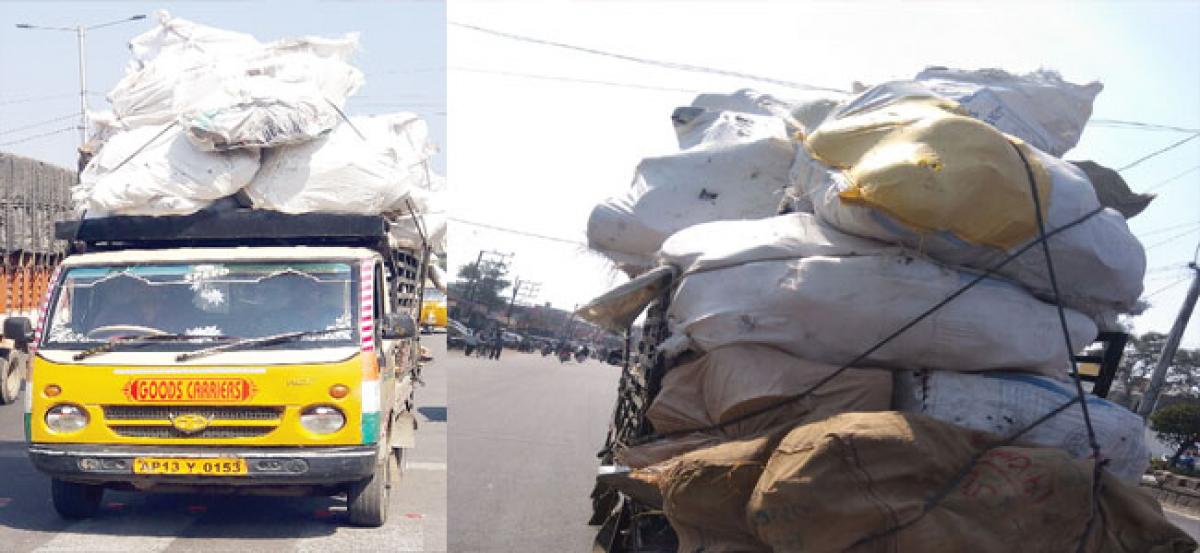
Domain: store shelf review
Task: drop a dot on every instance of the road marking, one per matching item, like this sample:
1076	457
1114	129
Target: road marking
418	465
399	534
1182	514
152	533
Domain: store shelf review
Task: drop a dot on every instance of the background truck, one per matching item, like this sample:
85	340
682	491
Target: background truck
33	195
233	351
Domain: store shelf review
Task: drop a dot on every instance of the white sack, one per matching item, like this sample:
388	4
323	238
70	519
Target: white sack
803	109
345	172
672	192
168	176
1099	263
275	99
230	91
718	244
831	309
1040	108
695	127
1004	403
428	204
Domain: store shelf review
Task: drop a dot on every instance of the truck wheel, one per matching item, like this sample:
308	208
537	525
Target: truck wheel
13	374
367	499
73	500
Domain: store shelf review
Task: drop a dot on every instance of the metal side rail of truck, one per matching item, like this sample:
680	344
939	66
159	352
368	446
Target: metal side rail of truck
233	351
628	511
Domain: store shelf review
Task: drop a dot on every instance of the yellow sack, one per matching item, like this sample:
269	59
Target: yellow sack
926	165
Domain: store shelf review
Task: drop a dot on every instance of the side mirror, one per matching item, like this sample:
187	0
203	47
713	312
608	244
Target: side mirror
398	326
18	329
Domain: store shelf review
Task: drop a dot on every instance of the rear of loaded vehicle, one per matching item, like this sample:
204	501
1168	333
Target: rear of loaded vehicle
249	371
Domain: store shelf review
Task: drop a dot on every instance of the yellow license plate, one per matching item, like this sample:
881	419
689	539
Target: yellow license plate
189	467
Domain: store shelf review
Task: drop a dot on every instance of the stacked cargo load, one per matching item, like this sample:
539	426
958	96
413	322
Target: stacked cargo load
205	116
904	302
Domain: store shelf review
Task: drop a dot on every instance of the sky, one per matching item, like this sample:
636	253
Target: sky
402	56
541	134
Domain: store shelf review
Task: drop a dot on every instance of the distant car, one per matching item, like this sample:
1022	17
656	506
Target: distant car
458	335
512	339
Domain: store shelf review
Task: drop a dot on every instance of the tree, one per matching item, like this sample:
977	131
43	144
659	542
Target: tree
1140	356
1177	425
484	284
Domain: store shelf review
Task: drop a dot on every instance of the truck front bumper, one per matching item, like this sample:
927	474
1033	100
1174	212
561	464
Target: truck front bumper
265	466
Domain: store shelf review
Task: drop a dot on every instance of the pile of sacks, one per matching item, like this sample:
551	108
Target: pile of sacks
203	114
799	234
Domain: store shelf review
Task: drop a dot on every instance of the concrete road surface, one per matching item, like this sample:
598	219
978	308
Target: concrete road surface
132	522
523	451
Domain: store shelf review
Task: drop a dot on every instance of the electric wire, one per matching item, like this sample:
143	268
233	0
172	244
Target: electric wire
645	61
38	124
575	80
518	232
1160	151
36	136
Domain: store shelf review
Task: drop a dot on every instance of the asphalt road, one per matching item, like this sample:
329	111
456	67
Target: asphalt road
1187	523
132	522
523	451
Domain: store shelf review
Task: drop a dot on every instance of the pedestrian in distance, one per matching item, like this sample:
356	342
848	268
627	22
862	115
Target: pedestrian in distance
497	345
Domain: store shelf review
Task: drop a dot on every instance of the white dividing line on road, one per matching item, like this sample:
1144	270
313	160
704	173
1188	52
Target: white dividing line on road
401	533
418	465
155	533
1183	514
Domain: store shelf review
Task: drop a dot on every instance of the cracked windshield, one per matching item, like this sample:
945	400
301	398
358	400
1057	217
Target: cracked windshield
242	300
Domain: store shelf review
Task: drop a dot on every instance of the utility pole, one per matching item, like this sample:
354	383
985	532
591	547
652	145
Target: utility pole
488	265
1150	399
512	300
80	37
524	290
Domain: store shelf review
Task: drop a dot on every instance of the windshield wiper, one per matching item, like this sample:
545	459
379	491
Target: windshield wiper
150	338
257	342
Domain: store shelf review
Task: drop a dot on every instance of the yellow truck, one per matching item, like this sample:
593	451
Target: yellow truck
233	352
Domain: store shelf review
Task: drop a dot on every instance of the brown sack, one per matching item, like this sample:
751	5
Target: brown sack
833	484
705	493
737	379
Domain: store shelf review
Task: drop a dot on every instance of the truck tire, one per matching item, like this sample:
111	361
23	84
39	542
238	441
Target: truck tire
367	499
14	371
73	500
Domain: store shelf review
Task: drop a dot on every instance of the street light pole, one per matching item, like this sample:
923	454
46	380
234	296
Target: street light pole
80	39
80	33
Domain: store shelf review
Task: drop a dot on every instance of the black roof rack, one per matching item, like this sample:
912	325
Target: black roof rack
226	227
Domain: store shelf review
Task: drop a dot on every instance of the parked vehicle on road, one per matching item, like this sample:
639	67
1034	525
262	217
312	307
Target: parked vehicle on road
184	354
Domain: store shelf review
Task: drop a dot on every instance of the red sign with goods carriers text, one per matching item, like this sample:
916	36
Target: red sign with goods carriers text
172	390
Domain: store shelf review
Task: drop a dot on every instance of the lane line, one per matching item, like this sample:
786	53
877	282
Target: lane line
419	465
400	534
153	533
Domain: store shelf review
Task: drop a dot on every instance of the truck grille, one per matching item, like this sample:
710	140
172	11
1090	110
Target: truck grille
212	432
218	413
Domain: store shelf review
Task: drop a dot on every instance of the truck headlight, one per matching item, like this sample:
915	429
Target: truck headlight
66	418
322	419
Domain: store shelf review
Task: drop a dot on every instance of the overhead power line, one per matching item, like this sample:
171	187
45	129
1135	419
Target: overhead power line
574	80
1161	151
647	61
38	124
39	98
1167	287
1122	124
1163	183
1172	239
518	232
36	136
